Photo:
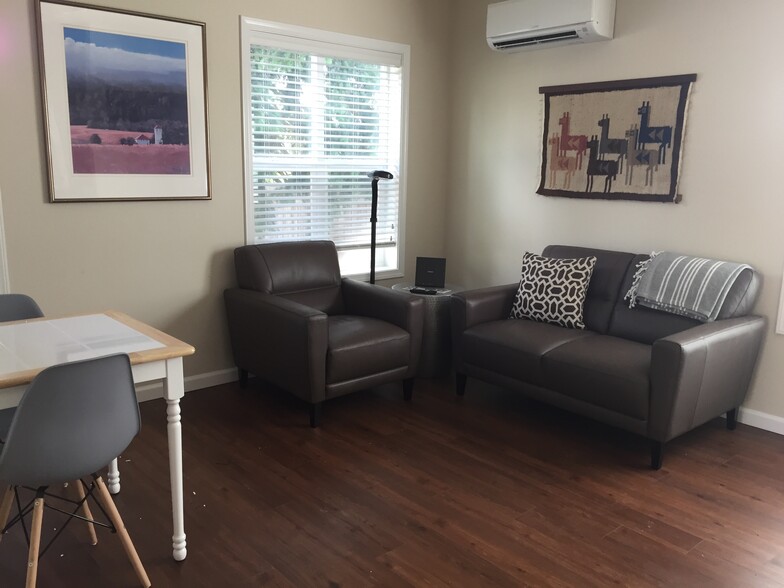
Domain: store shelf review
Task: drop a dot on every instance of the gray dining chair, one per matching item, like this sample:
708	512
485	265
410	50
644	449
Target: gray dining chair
15	307
71	422
18	307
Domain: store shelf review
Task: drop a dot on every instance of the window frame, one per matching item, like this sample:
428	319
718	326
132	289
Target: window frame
254	32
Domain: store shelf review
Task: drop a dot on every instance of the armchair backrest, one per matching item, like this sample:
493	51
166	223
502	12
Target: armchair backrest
306	272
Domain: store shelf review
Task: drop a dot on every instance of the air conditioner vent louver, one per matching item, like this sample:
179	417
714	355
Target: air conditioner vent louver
536	40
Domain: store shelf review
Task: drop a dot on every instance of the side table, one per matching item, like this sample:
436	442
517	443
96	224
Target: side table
436	356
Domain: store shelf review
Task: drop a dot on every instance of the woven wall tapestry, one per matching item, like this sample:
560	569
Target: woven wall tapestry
618	140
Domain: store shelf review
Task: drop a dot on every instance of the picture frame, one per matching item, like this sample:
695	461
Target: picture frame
125	104
615	140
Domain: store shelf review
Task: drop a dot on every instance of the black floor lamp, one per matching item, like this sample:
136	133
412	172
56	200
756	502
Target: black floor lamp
376	175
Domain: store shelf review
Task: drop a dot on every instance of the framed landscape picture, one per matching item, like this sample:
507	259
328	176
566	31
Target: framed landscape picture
125	106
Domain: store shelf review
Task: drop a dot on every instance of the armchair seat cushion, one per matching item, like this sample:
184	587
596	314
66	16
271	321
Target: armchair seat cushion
359	346
515	347
603	371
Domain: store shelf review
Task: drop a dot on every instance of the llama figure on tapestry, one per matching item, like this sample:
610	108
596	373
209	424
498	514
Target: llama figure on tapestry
610	147
647	158
576	143
648	134
599	167
564	163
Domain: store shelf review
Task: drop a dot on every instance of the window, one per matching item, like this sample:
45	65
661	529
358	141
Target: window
321	111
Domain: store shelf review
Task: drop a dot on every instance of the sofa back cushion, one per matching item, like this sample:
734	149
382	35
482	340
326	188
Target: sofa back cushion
606	282
646	325
303	271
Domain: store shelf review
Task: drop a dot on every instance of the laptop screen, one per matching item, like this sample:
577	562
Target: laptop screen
430	272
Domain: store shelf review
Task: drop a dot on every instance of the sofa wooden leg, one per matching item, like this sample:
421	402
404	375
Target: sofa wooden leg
657	453
408	388
243	378
315	414
732	419
460	383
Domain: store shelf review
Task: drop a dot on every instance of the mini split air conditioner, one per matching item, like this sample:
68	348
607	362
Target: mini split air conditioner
517	25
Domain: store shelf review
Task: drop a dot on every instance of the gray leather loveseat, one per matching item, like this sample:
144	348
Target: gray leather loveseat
652	373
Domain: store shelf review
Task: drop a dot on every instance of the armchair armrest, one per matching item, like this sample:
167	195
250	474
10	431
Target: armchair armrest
700	373
399	308
282	341
474	307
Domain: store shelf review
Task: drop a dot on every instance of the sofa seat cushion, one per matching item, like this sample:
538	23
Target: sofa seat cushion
359	346
515	347
604	371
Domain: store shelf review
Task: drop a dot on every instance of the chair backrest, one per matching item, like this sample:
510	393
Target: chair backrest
18	307
72	421
303	271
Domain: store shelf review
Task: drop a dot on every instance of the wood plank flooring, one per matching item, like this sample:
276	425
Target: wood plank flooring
486	490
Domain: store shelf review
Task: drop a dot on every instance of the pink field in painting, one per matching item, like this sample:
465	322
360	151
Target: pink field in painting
110	157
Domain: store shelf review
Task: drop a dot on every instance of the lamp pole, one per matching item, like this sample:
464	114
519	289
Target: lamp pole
376	176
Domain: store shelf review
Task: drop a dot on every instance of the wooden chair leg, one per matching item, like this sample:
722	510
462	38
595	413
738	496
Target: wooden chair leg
108	504
86	512
35	542
5	508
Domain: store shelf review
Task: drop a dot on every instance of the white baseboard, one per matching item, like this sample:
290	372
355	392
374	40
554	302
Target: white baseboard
761	420
155	390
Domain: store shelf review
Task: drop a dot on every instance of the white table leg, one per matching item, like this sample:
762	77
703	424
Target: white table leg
113	477
173	390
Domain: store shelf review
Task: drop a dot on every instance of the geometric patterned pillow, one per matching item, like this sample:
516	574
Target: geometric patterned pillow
553	290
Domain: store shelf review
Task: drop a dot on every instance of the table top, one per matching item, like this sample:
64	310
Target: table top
27	347
447	290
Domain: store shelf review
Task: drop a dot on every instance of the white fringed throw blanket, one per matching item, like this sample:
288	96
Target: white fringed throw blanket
689	286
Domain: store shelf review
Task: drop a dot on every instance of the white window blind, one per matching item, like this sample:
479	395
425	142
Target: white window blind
321	117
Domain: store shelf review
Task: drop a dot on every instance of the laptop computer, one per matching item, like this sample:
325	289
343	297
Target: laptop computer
430	274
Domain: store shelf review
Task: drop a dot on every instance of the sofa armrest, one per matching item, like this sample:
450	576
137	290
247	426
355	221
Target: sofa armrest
473	307
281	341
701	373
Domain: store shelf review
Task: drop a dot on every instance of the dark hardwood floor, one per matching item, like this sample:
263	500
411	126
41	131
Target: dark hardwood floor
486	490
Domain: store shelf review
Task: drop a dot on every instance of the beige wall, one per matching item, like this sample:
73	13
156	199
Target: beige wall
167	263
732	208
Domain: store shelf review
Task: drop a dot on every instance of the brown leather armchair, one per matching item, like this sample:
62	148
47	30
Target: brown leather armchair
296	323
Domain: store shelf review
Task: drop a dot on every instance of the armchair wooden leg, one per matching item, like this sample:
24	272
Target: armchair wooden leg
408	388
243	378
108	504
35	541
460	383
86	512
5	507
732	419
315	414
657	453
